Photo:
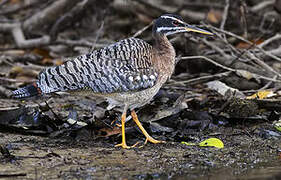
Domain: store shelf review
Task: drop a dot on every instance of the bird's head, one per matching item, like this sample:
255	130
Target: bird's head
168	24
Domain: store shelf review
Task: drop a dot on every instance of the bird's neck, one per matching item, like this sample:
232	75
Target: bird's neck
164	56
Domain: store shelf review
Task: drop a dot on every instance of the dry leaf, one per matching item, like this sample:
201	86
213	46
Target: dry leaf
262	95
58	62
105	132
245	74
41	52
244	45
214	16
22	73
47	61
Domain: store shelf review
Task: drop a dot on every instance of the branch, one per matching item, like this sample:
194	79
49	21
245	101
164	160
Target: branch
262	5
48	15
199	80
23	43
267	53
37	21
142	30
242	66
225	14
270	40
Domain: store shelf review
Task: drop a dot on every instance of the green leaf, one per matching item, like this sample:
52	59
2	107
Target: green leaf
277	125
211	142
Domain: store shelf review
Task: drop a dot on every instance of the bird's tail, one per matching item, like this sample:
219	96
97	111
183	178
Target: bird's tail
27	91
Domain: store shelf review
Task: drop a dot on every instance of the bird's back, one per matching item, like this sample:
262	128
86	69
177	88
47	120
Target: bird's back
125	66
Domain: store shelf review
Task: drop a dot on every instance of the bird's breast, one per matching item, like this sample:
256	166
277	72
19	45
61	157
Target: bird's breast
133	99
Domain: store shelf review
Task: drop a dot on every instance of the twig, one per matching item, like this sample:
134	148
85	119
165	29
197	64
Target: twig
7	27
243	17
201	79
229	45
227	68
3	2
262	5
270	40
66	18
218	49
16	80
225	14
99	32
85	43
47	15
227	32
262	64
16	8
4	92
209	60
268	53
142	30
267	84
276	51
34	22
244	40
23	43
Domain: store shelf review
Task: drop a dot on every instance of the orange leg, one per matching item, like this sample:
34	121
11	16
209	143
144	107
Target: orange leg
123	144
148	137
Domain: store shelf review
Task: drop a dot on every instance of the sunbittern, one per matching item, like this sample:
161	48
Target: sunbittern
128	73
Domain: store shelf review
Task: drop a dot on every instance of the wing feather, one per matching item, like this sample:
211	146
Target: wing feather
121	67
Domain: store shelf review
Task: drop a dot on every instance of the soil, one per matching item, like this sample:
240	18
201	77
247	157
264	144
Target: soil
248	154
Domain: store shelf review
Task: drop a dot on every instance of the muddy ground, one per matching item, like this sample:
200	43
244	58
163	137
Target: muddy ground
249	153
47	158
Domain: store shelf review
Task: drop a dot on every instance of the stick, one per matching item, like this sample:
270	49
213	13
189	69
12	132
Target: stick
225	14
142	30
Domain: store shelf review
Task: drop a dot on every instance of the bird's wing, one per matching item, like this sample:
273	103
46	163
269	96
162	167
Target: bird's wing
121	67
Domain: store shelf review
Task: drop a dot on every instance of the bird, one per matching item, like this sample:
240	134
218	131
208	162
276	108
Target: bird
128	73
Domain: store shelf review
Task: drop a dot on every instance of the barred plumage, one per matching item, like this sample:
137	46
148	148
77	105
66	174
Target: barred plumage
28	91
121	67
128	73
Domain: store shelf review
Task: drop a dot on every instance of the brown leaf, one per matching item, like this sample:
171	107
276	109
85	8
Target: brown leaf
105	132
20	73
58	62
214	16
41	52
47	61
244	45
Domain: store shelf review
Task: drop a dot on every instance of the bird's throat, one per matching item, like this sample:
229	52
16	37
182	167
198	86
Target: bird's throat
164	54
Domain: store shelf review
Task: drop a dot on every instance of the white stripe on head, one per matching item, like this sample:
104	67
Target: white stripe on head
159	29
173	18
174	32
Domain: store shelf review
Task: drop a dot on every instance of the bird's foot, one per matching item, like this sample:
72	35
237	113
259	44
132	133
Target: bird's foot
125	146
152	140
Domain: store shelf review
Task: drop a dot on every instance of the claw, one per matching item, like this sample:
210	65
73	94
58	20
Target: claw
135	118
152	140
125	146
148	137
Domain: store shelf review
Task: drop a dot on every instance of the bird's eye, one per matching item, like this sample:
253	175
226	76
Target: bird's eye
176	23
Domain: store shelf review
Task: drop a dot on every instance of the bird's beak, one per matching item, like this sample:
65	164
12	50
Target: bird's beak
190	28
